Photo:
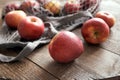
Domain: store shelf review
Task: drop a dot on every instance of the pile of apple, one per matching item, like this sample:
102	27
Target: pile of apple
56	7
65	45
67	6
29	27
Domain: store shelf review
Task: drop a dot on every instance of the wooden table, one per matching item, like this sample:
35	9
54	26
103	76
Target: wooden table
97	61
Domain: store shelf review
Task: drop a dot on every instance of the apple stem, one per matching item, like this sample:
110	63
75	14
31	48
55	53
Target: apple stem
96	34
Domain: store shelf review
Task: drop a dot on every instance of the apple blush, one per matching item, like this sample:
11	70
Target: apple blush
31	28
107	17
53	6
65	47
72	6
13	18
28	4
95	31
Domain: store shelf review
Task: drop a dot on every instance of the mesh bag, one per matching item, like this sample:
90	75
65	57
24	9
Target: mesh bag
56	14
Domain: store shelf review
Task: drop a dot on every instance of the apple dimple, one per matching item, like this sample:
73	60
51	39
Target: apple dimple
92	33
31	28
33	20
96	34
106	13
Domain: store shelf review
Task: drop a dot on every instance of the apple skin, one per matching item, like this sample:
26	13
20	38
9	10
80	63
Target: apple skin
95	31
53	6
107	17
31	28
65	47
28	4
13	18
72	6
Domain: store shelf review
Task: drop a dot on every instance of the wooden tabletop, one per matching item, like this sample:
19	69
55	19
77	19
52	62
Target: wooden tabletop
97	61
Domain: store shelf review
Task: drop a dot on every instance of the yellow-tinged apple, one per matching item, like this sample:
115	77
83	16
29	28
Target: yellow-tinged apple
95	31
107	17
13	18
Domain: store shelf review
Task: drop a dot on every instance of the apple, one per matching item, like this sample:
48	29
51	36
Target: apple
65	47
72	6
31	28
95	31
53	6
107	17
28	4
13	18
10	7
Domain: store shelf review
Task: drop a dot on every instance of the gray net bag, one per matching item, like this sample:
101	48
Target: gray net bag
10	39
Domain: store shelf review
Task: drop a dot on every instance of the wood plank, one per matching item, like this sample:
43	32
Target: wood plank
24	70
97	60
100	61
63	71
112	44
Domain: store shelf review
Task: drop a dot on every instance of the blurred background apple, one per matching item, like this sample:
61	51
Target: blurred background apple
10	7
14	17
107	17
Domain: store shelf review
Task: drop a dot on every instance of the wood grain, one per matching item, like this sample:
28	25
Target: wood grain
69	71
24	70
112	44
97	60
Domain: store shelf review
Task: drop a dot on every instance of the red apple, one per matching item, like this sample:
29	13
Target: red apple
65	47
107	17
95	30
13	18
72	6
28	4
53	6
31	28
